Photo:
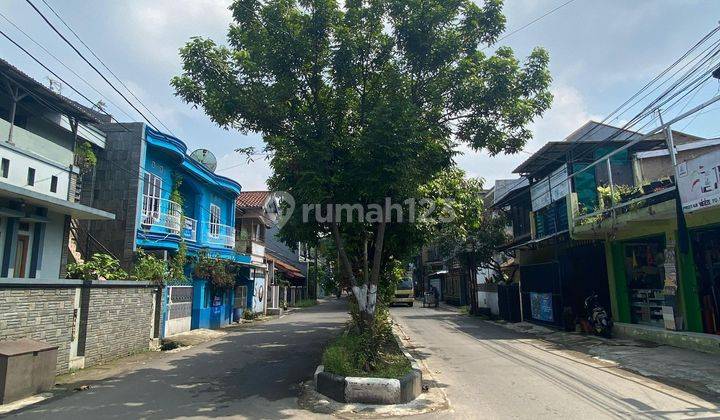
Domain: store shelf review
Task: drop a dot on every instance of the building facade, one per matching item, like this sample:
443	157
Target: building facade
40	132
165	199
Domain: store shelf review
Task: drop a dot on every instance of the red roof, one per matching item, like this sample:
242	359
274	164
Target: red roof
252	199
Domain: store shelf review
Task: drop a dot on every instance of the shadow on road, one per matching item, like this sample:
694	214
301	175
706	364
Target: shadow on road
253	371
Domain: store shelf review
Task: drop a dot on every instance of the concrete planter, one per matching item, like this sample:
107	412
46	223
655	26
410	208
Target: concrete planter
351	389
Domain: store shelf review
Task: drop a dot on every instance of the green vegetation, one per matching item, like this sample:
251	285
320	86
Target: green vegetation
345	357
248	315
149	268
98	267
215	270
176	265
348	355
363	102
304	303
85	156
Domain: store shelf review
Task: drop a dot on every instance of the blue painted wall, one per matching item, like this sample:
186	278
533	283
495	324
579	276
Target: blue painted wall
212	308
166	156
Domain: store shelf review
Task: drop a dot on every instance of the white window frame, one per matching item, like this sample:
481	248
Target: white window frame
152	188
215	219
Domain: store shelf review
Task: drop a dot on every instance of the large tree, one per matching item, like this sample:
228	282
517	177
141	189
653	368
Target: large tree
365	101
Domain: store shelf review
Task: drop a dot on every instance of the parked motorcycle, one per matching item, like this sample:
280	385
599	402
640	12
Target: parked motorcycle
597	316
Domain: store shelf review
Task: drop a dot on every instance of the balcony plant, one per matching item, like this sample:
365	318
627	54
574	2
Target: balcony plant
85	156
215	270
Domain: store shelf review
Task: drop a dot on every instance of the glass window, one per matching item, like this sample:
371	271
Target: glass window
31	176
214	220
152	187
53	183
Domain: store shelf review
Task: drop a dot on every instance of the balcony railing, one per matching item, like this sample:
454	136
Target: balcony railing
161	213
218	234
189	231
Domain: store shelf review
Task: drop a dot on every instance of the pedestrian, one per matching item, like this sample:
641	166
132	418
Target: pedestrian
436	295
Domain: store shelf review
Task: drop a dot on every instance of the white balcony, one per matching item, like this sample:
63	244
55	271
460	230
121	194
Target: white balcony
189	231
161	214
218	234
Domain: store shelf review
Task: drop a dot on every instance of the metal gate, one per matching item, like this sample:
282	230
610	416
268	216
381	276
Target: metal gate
179	309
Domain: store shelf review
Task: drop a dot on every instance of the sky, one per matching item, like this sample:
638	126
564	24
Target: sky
601	52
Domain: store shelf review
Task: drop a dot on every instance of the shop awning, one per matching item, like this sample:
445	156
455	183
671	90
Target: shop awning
54	204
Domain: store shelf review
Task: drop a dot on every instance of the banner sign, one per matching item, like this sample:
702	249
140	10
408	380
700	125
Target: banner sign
699	182
541	306
549	189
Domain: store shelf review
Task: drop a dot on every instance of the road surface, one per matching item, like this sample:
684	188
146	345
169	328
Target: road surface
485	370
252	372
488	371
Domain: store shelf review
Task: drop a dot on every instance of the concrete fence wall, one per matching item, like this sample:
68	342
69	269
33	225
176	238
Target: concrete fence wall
91	322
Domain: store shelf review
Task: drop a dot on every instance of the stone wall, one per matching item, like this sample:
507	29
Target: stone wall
119	323
111	318
41	314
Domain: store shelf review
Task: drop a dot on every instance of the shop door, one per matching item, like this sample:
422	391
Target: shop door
706	250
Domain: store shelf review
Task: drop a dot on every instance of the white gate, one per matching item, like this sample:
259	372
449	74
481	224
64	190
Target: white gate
179	309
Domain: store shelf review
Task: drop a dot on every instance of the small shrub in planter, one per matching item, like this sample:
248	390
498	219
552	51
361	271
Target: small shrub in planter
248	315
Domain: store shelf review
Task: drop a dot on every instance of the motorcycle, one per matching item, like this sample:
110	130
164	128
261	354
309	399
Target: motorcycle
598	317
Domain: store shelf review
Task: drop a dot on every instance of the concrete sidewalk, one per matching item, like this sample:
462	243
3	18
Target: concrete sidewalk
692	370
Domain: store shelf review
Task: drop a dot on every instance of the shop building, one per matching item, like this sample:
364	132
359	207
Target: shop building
660	263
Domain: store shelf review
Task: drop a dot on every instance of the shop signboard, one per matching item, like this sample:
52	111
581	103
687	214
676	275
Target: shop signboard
549	189
699	182
541	306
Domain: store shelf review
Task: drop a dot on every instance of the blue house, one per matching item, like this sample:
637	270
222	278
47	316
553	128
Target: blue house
165	198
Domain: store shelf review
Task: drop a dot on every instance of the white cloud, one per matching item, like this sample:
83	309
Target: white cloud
159	28
252	176
568	113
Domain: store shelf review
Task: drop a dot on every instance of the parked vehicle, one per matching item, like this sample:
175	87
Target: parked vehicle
405	292
598	317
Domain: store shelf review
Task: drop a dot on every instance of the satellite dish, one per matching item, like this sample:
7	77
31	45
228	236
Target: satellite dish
205	158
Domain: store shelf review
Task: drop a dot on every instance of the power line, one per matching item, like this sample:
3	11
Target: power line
532	22
89	63
644	113
48	52
50	106
105	66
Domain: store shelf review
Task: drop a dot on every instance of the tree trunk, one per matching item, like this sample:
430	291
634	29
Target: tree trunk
365	293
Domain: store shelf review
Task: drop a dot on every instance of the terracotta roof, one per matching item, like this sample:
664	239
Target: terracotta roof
252	199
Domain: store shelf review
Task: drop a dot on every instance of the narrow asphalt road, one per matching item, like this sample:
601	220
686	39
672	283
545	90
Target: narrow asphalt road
488	371
252	372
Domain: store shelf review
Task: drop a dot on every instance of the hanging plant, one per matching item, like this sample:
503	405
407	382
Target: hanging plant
176	266
214	270
175	195
85	156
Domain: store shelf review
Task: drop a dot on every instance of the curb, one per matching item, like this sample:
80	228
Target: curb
352	389
386	391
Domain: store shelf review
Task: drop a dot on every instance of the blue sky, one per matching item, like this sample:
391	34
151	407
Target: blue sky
601	52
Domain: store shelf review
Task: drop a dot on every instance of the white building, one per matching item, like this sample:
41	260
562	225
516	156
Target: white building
39	133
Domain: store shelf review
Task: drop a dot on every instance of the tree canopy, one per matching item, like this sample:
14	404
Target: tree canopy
365	101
